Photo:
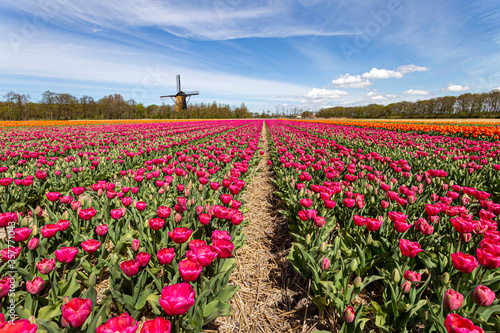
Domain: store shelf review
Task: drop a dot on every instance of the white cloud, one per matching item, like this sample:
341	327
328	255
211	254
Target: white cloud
363	80
379	97
456	87
496	89
326	94
376	73
350	81
411	68
416	92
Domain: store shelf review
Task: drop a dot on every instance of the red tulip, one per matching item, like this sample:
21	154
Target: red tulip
177	299
35	286
78	190
408	248
5	284
224	246
349	314
359	220
121	324
49	230
463	262
116	214
203	254
15	326
372	224
157	325
412	276
164	212
143	258
33	244
76	311
126	201
454	323
46	266
21	234
165	256
66	254
205	218
189	270
180	235
101	229
141	205
488	258
135	245
10	253
325	263
130	267
452	300
156	223
91	245
483	296
87	214
53	196
221	234
401	226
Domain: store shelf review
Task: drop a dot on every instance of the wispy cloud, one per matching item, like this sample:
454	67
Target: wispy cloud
455	87
416	92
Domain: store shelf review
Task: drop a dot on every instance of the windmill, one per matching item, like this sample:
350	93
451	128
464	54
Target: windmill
180	98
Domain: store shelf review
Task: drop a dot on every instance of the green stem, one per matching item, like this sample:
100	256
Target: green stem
458	283
54	297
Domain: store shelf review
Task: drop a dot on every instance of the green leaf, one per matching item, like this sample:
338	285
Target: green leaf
227	293
50	311
48	325
216	309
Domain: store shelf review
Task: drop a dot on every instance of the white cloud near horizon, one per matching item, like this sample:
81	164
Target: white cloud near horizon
416	92
456	87
363	80
317	93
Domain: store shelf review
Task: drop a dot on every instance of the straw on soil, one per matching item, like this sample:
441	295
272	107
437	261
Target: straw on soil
272	296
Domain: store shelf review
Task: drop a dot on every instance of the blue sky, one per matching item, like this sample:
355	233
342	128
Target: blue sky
270	55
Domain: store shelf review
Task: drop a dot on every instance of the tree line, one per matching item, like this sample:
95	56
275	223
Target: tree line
481	105
63	106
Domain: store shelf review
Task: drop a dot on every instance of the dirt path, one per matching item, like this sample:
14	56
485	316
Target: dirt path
271	295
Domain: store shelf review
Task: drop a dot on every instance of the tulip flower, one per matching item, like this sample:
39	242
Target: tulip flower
224	246
143	258
21	234
33	244
157	325
189	270
349	314
66	254
5	285
165	256
454	323
156	223
204	254
135	245
91	245
130	267
164	212
372	224
488	258
463	262
14	326
87	214
116	214
141	205
452	300
177	299
76	311
53	196
35	286
180	235
46	266
204	218
102	229
408	248
221	234
124	323
412	276
325	263
483	296
10	253
49	230
196	243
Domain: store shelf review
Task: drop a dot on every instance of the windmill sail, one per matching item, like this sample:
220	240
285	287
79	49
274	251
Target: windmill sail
180	98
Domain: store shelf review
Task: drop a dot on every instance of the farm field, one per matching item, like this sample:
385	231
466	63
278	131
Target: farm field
250	226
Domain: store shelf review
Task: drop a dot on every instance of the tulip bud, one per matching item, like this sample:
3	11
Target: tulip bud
445	279
349	314
325	264
33	244
322	248
406	286
357	282
308	239
353	265
92	279
65	215
452	300
100	192
135	245
369	240
396	276
177	217
483	296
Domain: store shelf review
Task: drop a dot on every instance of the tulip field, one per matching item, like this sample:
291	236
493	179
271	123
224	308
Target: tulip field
134	227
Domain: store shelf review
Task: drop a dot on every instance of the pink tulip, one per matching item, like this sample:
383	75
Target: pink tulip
124	323
76	311
165	256
91	245
157	325
66	254
35	286
46	266
189	270
180	235
483	296
177	299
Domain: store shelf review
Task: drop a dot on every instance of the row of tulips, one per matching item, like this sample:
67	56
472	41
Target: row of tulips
157	240
384	213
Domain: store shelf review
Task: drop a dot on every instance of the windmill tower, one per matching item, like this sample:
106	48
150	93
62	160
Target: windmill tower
180	98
